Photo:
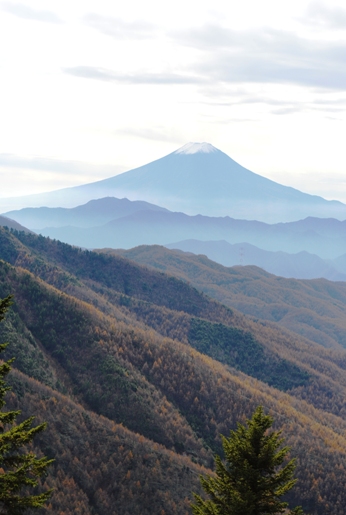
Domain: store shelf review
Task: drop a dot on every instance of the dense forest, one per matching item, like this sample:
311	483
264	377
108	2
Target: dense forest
138	373
312	308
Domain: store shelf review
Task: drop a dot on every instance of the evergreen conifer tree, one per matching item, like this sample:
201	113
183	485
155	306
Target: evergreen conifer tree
253	479
19	470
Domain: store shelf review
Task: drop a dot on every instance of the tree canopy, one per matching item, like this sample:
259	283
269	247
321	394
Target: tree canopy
19	470
253	479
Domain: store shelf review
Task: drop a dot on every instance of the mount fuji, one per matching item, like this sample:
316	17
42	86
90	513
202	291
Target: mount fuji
197	179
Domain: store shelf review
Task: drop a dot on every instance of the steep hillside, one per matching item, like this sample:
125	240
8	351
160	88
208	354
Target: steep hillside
135	293
315	309
115	343
101	466
132	473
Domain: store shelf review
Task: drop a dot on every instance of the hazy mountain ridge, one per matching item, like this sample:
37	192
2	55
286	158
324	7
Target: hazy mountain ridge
151	227
94	213
302	265
294	249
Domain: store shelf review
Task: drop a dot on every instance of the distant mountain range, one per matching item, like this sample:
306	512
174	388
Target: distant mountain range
307	249
99	224
196	179
302	265
199	200
92	214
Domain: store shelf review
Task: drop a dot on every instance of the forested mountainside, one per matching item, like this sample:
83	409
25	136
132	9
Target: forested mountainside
315	309
138	373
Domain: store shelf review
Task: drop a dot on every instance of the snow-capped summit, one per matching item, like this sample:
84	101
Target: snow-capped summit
196	148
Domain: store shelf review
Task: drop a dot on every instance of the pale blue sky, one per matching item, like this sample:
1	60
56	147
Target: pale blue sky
93	88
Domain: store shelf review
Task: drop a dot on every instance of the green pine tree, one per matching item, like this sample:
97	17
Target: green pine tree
19	470
253	479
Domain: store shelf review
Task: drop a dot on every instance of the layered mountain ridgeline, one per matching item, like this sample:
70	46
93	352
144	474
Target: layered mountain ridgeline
196	179
93	213
301	265
101	222
59	263
314	309
116	340
118	223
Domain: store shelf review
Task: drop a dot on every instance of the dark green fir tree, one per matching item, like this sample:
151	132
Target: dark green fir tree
253	478
19	470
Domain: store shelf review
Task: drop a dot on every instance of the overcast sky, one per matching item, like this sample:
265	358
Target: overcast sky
93	88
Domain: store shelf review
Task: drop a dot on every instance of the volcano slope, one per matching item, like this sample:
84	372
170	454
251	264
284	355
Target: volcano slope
138	374
195	179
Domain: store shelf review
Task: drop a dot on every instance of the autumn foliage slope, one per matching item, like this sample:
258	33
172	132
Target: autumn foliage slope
137	375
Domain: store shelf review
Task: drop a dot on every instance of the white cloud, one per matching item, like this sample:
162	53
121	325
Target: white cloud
54	165
38	175
28	13
119	29
267	56
322	15
140	78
